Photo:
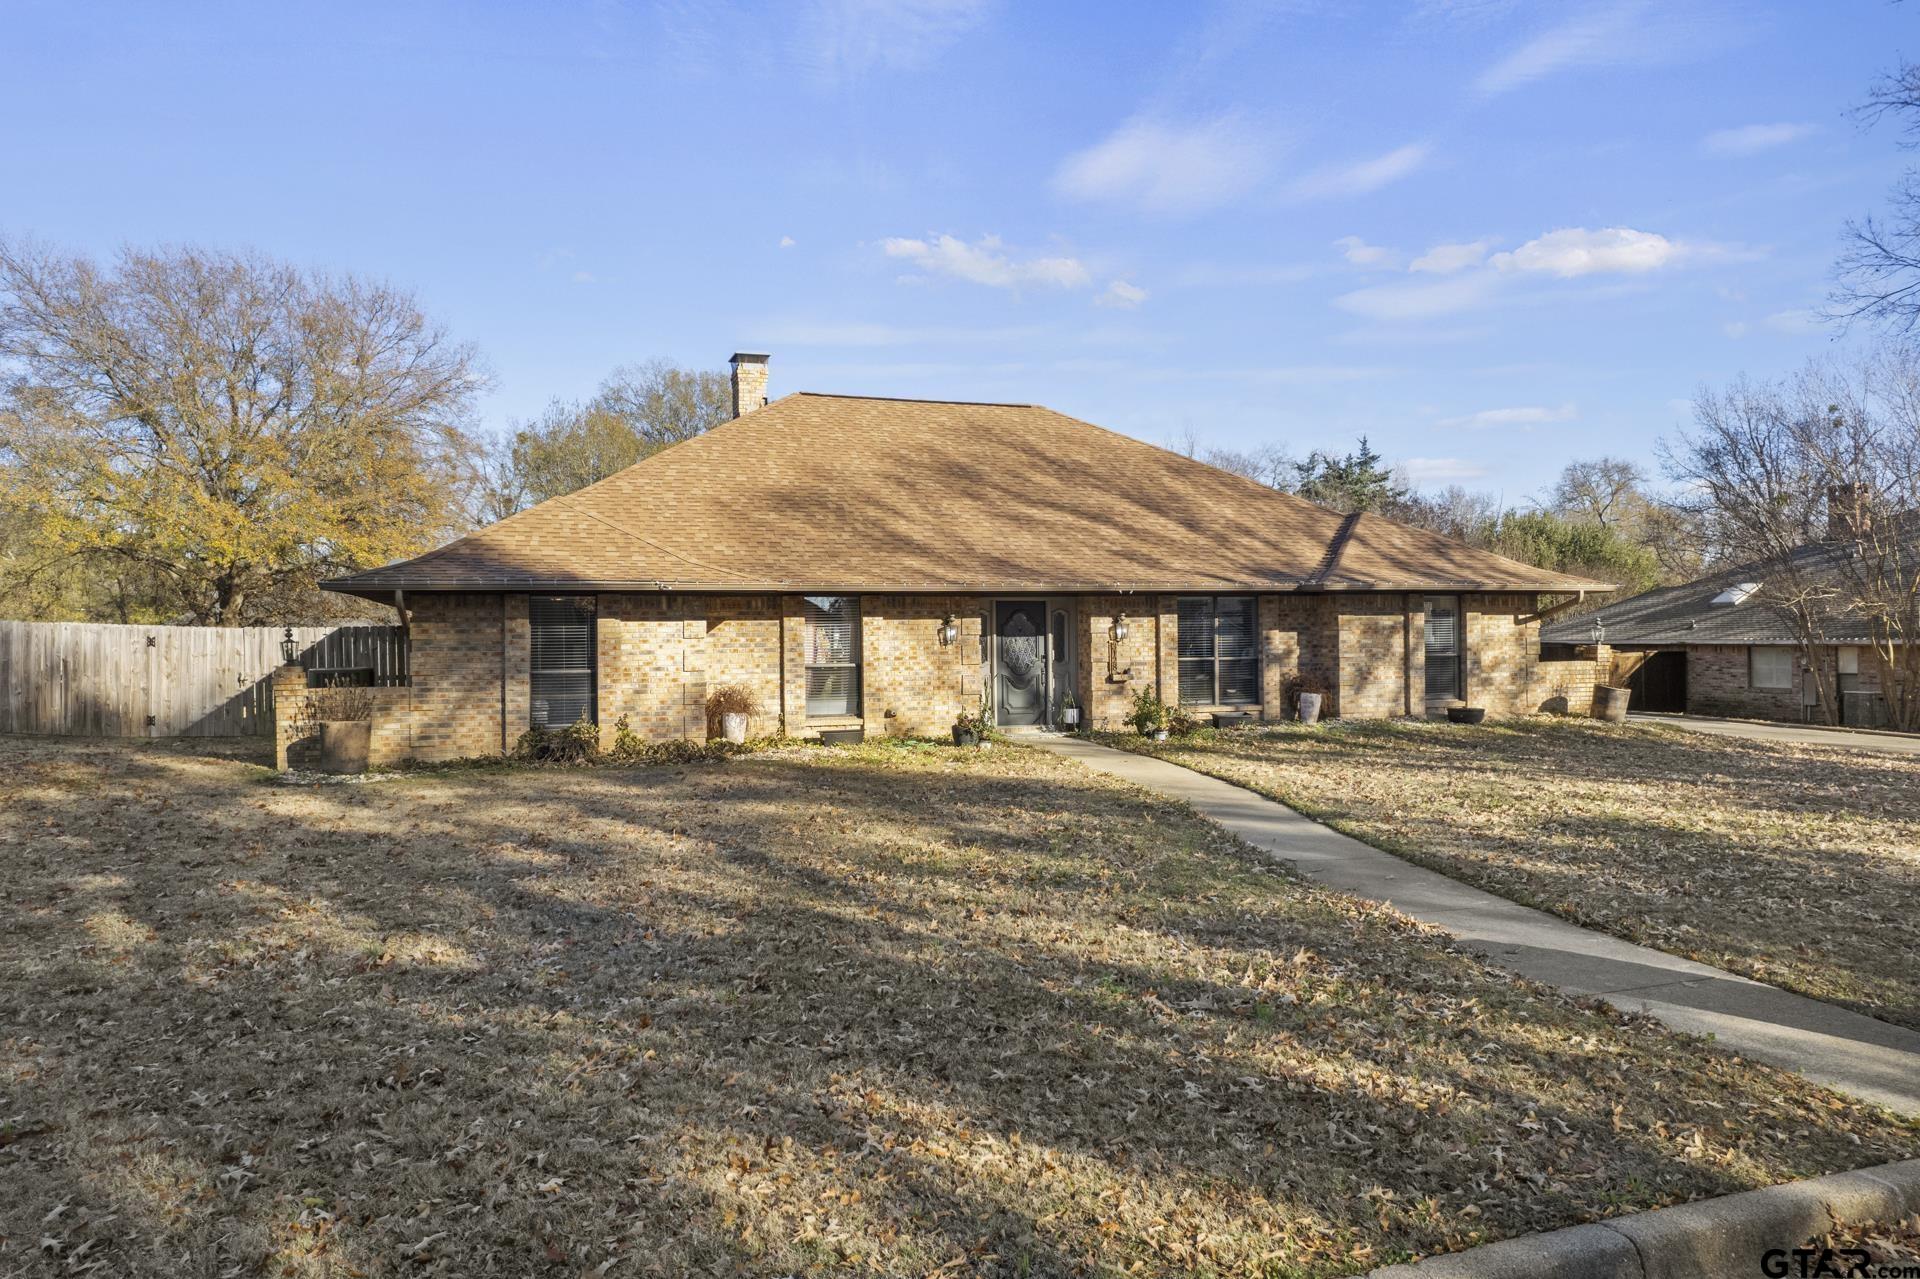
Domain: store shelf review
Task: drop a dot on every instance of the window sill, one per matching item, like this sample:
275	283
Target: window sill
835	721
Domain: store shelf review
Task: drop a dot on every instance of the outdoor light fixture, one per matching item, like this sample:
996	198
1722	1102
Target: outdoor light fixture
289	647
948	632
1118	631
1599	632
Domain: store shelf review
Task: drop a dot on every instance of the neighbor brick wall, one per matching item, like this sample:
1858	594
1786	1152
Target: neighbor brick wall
1566	687
1719	683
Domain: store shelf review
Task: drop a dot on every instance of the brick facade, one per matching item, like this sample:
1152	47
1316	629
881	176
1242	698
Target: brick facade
1719	682
658	656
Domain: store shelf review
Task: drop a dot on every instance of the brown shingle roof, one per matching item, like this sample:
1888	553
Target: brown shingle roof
836	492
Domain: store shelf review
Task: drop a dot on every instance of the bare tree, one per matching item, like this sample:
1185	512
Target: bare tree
1816	480
221	428
1604	490
1877	278
1267	464
639	410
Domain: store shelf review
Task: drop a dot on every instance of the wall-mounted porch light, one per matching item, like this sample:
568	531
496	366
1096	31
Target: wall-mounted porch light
949	632
1599	632
289	647
1117	632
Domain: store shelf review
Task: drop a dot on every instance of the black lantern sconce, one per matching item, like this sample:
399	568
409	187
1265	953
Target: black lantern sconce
949	631
1599	632
289	647
1117	632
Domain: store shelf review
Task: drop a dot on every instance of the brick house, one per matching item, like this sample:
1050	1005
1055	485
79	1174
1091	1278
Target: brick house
1716	646
877	566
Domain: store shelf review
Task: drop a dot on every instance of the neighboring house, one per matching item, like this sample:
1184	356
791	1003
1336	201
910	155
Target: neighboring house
1716	647
880	565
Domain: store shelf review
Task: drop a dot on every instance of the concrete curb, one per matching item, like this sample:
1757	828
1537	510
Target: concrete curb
1707	1239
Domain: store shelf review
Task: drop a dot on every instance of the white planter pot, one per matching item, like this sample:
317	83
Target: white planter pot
733	727
1159	734
1309	708
1069	715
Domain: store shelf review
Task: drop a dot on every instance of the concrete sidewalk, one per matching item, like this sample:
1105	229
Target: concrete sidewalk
1869	1059
1847	739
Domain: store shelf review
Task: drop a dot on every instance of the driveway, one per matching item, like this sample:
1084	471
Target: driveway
1797	734
1871	1059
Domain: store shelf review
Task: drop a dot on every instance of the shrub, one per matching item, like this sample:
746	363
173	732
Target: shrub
1182	722
577	743
1149	713
626	743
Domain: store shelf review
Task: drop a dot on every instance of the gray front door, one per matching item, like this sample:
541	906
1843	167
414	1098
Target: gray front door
1020	662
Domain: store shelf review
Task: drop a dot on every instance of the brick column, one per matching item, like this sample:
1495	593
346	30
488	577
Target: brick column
289	699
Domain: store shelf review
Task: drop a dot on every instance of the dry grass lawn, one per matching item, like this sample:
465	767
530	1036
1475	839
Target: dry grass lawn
884	1010
1795	865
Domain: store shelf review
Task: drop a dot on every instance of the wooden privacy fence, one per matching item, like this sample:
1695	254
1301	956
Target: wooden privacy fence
84	679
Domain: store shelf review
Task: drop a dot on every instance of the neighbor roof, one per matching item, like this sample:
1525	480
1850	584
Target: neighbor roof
1688	614
848	493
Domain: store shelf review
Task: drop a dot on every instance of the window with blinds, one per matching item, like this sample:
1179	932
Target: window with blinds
1443	647
1218	649
833	655
560	676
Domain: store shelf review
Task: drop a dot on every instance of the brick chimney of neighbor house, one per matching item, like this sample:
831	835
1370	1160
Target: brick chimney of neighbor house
1847	515
749	381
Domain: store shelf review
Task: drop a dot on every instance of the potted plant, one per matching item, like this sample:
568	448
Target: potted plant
1304	694
1149	715
727	710
1610	703
342	718
971	729
1069	711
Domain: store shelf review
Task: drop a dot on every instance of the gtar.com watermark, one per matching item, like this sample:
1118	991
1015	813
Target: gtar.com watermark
1832	1263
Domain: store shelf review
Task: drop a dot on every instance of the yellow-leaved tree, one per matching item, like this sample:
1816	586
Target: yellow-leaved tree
219	429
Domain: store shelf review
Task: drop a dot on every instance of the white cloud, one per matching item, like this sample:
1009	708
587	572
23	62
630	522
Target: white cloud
583	277
1363	175
1441	470
852	37
1626	33
1735	329
985	262
1445	259
1122	295
1419	301
1523	415
1574	251
1360	253
1800	320
786	242
1166	168
1752	138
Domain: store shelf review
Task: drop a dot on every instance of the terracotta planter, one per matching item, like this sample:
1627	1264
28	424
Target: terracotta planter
1309	708
346	745
1610	703
733	727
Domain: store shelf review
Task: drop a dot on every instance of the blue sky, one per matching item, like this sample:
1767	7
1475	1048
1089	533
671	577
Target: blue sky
1491	235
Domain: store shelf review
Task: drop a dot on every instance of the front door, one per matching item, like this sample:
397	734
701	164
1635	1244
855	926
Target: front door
1020	662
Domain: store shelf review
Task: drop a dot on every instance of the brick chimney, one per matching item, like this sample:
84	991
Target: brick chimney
1847	514
749	381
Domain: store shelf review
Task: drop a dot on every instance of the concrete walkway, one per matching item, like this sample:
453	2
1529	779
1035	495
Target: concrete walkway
1870	1059
1851	739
